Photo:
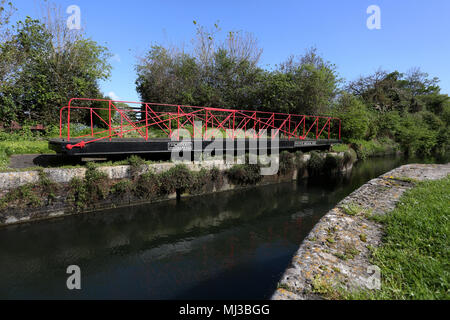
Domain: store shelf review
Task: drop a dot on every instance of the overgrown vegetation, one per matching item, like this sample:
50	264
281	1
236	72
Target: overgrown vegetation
315	163
147	185
244	174
43	64
286	162
42	193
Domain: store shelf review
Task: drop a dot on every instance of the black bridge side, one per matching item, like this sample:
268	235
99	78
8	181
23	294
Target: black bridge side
164	146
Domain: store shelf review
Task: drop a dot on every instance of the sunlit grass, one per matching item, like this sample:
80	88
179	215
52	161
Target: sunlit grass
414	257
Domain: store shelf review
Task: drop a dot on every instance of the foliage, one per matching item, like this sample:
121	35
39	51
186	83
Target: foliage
97	183
122	188
147	186
244	174
315	163
350	156
372	148
46	65
21	197
339	148
227	75
286	164
354	116
201	182
94	187
77	194
332	163
136	163
178	178
407	108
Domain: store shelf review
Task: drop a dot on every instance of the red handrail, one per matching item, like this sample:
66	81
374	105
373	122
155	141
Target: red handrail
229	120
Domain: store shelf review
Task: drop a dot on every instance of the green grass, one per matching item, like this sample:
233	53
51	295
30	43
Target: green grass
372	148
414	258
339	148
9	148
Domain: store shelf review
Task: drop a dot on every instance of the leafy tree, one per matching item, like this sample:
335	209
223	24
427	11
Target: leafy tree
354	116
48	65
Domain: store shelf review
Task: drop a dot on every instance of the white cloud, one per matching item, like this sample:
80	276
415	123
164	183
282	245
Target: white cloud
113	95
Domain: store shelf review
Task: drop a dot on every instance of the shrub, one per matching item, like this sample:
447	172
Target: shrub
244	174
47	187
315	164
350	156
180	178
23	196
355	117
136	163
300	164
200	181
147	185
77	194
97	183
122	188
331	163
286	164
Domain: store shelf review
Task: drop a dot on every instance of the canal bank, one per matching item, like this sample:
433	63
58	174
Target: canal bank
51	193
228	245
335	255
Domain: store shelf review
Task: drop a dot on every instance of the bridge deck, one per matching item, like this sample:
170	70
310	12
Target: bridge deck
163	146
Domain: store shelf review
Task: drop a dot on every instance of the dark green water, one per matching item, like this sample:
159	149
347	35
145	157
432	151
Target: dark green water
230	245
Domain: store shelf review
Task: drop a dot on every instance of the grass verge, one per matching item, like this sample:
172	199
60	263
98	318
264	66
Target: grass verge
414	258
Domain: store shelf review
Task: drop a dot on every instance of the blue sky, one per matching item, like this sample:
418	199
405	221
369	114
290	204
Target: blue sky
413	33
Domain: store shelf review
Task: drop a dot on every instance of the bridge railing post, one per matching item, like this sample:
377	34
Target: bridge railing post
329	128
178	123
146	122
68	123
109	116
317	128
92	123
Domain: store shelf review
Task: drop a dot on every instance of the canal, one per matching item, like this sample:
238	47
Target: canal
230	245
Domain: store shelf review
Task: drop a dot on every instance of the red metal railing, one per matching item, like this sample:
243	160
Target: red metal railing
230	122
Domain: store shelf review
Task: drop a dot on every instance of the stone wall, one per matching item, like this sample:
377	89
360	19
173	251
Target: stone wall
10	181
337	250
